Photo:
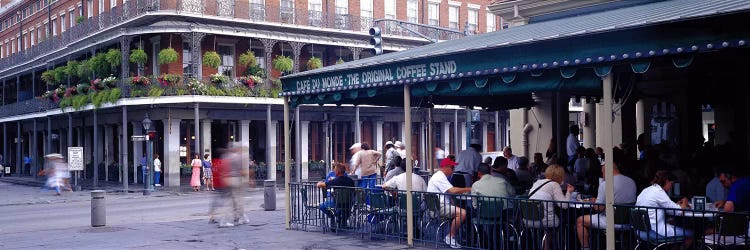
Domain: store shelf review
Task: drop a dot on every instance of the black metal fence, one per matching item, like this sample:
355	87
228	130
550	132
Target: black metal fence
480	222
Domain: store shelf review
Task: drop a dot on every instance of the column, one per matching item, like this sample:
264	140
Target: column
485	142
197	132
125	57
124	148
206	136
296	52
35	159
171	159
379	136
616	128
5	143
589	124
403	132
422	145
48	148
268	50
498	132
137	150
109	149
357	126
19	141
446	138
600	118
356	52
96	149
327	144
270	145
297	146
561	120
245	142
304	152
456	134
609	129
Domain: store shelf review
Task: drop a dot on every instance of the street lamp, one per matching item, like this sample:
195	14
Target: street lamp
148	184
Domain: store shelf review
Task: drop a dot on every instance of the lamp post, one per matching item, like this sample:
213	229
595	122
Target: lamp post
148	184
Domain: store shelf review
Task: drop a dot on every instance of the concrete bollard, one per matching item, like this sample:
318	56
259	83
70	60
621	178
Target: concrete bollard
269	195
98	208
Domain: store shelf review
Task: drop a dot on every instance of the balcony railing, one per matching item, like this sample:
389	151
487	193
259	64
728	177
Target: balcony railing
212	8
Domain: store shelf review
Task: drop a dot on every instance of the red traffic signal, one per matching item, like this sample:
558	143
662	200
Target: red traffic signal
152	135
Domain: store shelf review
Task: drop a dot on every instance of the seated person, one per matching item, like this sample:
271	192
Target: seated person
500	169
523	173
625	191
399	166
548	190
489	185
341	180
656	196
439	184
399	181
738	198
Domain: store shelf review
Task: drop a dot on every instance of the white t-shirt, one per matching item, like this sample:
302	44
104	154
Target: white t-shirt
157	165
513	162
399	182
439	184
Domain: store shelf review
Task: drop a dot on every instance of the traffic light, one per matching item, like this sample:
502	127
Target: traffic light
376	41
151	135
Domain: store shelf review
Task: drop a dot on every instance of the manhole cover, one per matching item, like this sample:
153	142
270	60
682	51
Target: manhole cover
102	229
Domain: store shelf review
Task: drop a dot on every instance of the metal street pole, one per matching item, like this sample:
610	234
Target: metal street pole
147	183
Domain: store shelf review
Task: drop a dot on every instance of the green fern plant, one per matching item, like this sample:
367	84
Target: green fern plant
83	70
168	55
283	63
113	57
97	99
79	101
49	77
66	102
60	74
72	68
314	63
248	59
211	59
155	91
340	61
138	56
114	95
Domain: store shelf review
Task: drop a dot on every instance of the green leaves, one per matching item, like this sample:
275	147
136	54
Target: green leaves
283	63
211	59
168	55
248	59
138	56
314	63
113	57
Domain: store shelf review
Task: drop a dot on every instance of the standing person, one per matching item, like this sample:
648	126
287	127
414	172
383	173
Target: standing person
157	170
236	174
439	155
571	144
56	171
468	163
195	180
208	176
366	163
512	159
144	168
354	150
538	167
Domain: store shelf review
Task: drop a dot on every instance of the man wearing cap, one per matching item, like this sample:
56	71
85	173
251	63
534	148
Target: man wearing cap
439	154
400	149
468	163
399	181
439	184
390	153
354	149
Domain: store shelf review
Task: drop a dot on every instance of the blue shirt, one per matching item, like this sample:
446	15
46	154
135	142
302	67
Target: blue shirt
715	191
739	194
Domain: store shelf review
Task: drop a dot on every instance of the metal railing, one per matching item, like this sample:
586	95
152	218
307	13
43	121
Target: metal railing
507	223
215	8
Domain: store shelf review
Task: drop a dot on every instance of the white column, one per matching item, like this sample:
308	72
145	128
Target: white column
589	124
447	138
517	123
271	147
609	129
109	147
171	157
423	145
617	129
498	132
600	118
137	150
379	136
206	136
118	130
640	113
462	128
245	142
485	142
357	126
403	132
304	151
456	135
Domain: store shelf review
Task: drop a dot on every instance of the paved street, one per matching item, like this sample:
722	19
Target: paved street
34	219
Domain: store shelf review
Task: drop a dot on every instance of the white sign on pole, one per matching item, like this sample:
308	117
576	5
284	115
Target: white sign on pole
75	158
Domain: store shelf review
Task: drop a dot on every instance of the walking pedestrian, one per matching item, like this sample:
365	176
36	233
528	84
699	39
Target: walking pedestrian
157	170
195	180
208	177
56	171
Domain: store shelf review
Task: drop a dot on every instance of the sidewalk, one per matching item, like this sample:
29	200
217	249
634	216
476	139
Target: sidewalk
109	186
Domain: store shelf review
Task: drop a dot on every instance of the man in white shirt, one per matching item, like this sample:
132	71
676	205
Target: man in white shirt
157	170
512	159
439	155
354	149
439	184
571	144
399	182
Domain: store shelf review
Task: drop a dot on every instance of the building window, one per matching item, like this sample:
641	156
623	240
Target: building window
257	10
315	12
453	17
342	14
31	33
186	59
89	8
365	8
473	17
46	31
38	34
412	11
62	23
72	18
1	51
491	22
101	7
112	3
156	47
287	11
433	13
227	60
54	27
390	9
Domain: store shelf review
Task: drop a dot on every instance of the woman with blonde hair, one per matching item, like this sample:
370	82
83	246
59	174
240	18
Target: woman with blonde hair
548	190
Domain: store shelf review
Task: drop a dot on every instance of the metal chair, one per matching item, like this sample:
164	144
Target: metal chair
490	218
416	201
380	210
641	225
342	206
307	206
532	212
732	232
432	204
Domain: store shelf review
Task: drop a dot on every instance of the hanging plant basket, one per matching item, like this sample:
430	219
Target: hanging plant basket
211	59
138	56
83	88
340	61
168	55
169	79
113	57
314	63
283	64
48	77
248	59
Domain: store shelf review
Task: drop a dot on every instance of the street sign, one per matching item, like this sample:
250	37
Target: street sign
75	158
139	138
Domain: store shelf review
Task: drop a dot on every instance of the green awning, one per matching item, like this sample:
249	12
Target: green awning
500	70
